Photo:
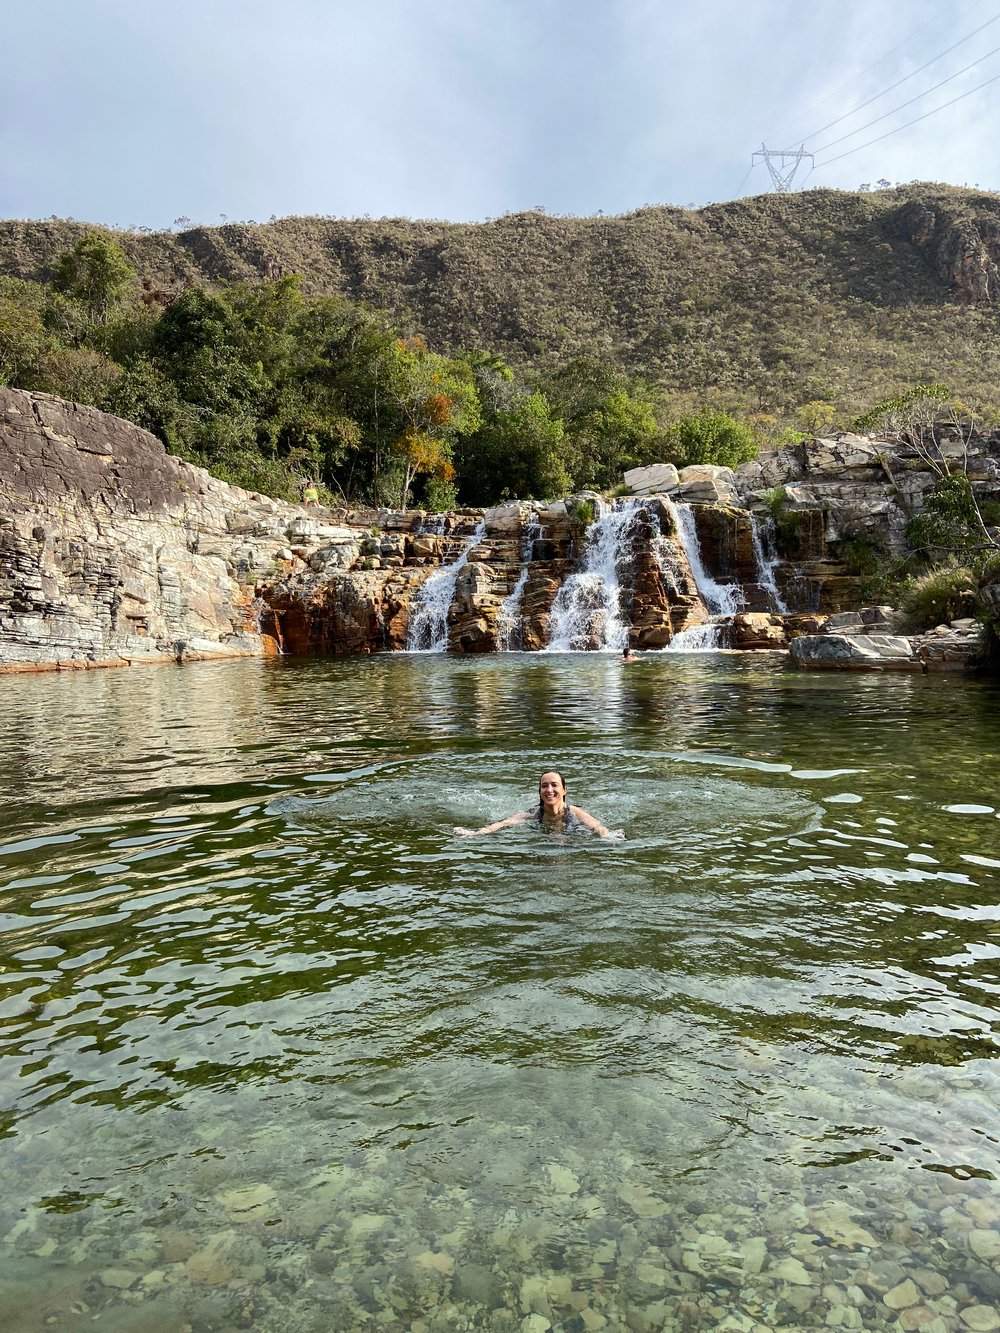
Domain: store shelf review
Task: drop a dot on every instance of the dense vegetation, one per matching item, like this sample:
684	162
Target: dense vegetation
529	354
271	388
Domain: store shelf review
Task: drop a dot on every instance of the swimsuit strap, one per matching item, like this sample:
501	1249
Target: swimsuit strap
569	819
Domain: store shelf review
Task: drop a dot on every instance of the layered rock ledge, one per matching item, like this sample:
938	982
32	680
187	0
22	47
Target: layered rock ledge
113	552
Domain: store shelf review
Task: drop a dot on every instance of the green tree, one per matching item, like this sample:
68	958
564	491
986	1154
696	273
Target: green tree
516	453
436	399
96	275
610	420
711	437
815	416
23	336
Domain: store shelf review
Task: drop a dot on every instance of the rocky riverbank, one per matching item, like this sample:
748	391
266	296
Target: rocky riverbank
113	552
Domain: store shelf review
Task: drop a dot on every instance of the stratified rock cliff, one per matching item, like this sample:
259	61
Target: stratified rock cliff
112	551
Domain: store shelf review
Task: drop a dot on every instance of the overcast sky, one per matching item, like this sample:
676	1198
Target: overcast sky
137	112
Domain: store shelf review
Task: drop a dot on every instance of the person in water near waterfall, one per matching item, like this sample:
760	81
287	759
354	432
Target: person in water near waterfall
552	813
628	655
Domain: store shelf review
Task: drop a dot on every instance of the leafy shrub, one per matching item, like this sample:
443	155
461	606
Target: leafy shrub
711	437
860	554
583	513
945	593
948	520
439	495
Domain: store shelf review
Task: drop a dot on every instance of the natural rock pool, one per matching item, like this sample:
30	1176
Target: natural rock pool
281	1052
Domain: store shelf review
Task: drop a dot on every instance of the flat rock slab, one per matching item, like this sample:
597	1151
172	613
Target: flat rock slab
652	480
854	652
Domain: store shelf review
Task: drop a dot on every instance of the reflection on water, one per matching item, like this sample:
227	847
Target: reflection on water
281	1052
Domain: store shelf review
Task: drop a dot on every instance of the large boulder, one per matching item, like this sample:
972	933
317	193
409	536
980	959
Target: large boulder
652	480
843	453
758	629
706	472
854	652
868	620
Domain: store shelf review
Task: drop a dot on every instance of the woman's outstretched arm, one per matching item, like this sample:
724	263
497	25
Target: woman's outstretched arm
595	825
519	818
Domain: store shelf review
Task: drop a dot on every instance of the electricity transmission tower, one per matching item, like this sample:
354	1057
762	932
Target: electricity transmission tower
777	159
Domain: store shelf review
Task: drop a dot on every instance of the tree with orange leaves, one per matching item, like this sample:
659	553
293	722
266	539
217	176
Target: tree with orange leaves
437	400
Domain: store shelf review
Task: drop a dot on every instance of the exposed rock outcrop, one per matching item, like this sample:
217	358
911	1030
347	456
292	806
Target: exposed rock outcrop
963	253
864	652
114	552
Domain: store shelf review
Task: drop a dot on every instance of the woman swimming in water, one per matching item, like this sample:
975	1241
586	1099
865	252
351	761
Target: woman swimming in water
552	813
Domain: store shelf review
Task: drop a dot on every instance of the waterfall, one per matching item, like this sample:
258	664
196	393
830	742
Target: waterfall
721	599
509	611
587	611
428	630
662	548
766	563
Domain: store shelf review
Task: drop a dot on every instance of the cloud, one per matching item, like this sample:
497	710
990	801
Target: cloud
464	109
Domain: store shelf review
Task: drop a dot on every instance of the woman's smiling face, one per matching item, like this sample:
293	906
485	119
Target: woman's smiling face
551	790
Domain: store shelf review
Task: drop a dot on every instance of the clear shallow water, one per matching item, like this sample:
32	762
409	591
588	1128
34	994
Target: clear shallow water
280	1051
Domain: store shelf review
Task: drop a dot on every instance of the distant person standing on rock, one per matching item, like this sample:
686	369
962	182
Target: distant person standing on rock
310	494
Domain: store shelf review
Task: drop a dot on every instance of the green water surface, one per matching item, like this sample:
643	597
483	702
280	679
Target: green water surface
278	1050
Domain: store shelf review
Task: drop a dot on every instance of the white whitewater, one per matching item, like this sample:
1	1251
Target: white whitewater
428	631
765	565
509	611
721	599
587	611
662	550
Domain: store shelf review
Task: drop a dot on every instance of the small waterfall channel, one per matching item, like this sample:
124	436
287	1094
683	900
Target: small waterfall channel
587	611
509	611
721	599
767	558
428	630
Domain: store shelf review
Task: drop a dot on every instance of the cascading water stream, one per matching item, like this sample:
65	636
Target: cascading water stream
509	611
662	548
428	631
721	599
587	611
765	565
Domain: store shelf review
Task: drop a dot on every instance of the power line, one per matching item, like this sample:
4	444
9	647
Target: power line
916	121
855	77
745	179
903	105
899	82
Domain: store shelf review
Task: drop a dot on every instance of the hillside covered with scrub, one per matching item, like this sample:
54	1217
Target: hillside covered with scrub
429	361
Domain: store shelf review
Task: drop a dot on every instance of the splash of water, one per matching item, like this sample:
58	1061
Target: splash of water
766	561
428	630
509	611
587	612
705	638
